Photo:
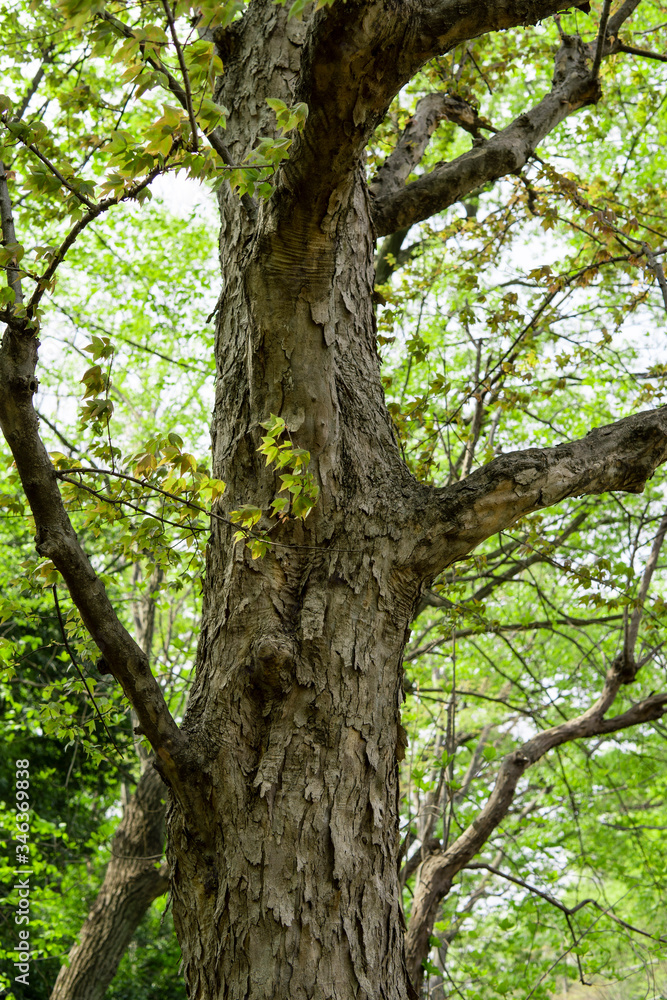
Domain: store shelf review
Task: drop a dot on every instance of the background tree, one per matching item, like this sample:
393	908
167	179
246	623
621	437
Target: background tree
340	515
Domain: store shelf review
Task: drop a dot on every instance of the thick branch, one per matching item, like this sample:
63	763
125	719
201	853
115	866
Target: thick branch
438	871
9	235
620	16
414	139
620	456
355	60
507	152
56	540
574	86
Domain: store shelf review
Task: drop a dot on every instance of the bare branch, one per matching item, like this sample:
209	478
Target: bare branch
184	73
414	139
619	17
438	871
456	518
483	592
34	83
507	152
568	910
601	39
9	235
644	53
656	267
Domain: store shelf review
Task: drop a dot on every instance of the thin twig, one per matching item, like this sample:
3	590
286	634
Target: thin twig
656	267
77	229
120	501
644	53
569	911
146	485
54	588
184	74
602	35
36	80
56	173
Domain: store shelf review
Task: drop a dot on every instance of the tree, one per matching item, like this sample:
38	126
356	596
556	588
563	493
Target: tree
283	775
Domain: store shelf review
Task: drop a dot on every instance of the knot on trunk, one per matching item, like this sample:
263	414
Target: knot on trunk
624	668
271	667
25	384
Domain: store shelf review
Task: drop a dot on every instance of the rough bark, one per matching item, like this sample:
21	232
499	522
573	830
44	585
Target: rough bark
620	456
283	820
133	879
288	886
574	85
414	139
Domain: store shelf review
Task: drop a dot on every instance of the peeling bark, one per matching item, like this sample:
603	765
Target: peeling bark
620	456
413	141
283	818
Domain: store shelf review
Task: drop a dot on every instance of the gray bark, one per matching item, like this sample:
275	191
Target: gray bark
505	153
283	817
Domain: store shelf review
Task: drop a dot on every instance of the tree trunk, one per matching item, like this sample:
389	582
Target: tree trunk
131	883
287	885
283	818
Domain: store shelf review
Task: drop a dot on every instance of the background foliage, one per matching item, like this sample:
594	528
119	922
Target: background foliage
521	318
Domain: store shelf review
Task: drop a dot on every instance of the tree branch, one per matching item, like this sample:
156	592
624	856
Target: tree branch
631	50
619	17
451	521
507	152
568	910
214	136
649	570
9	235
77	229
438	870
131	883
56	540
414	139
656	267
601	39
574	86
354	61
184	73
